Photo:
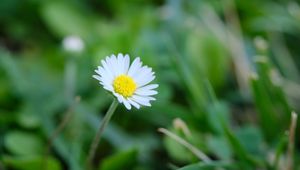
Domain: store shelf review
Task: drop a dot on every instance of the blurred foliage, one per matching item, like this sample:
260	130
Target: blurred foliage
228	69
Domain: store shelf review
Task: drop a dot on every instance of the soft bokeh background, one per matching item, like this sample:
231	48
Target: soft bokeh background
228	72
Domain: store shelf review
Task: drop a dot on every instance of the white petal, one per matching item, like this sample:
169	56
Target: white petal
104	73
145	81
142	72
115	65
144	76
126	103
126	63
107	67
109	88
120	64
100	71
112	63
119	97
97	77
136	64
106	86
145	92
136	105
149	98
141	100
102	80
149	87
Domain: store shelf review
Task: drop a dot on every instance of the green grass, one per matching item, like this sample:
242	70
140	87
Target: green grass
228	70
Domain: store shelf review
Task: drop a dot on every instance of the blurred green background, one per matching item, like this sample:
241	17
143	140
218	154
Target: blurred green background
228	72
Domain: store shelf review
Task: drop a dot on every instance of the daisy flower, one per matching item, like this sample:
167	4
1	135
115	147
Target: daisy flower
129	83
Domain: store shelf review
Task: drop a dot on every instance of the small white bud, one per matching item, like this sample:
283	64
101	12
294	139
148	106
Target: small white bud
73	44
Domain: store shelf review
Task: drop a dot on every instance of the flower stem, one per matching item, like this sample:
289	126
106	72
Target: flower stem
291	145
66	119
97	138
70	78
186	144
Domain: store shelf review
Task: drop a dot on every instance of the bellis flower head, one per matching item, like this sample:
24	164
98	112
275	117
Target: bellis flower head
130	84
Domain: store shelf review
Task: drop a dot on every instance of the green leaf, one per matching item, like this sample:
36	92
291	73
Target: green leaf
31	163
205	51
219	146
176	150
251	139
28	118
266	114
247	161
273	108
15	74
23	143
280	150
208	166
65	19
218	112
120	161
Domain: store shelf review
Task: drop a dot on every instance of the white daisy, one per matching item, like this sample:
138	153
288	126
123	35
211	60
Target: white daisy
129	84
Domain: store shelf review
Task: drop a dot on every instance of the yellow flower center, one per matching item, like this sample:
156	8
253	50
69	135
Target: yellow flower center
124	85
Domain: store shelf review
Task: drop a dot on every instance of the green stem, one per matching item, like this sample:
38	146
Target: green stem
66	119
97	138
70	79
